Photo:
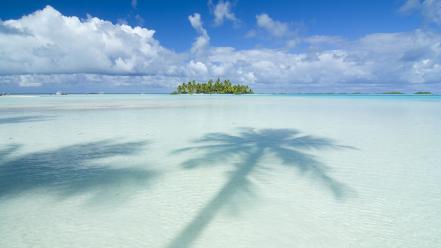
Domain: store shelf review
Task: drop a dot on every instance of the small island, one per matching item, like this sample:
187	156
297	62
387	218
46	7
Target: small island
212	87
393	93
423	93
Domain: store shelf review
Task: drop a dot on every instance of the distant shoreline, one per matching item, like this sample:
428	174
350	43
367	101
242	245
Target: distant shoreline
202	94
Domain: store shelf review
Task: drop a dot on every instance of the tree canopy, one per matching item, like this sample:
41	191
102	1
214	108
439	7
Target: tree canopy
212	87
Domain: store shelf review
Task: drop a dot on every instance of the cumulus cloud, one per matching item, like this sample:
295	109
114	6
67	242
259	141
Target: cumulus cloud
383	59
197	68
282	68
222	11
48	49
203	39
48	42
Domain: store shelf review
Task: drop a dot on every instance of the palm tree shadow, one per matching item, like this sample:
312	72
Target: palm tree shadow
72	170
251	146
23	119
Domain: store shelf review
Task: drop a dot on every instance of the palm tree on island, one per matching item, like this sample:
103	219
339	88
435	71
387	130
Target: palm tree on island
212	87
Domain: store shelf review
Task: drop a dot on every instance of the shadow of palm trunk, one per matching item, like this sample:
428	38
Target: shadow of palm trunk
195	228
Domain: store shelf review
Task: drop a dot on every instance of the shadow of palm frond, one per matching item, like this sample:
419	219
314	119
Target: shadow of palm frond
250	146
20	119
71	170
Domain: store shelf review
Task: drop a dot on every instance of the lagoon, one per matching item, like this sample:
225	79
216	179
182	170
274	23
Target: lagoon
220	171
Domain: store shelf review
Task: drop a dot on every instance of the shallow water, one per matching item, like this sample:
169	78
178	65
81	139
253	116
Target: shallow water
220	171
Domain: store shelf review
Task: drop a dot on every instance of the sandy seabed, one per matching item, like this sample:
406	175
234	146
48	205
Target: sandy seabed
220	171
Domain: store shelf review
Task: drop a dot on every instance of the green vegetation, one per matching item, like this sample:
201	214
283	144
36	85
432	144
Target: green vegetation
393	93
423	93
212	87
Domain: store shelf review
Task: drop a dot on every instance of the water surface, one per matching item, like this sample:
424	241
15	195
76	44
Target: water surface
220	171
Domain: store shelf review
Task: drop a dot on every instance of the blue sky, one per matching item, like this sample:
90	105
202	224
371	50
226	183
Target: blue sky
274	46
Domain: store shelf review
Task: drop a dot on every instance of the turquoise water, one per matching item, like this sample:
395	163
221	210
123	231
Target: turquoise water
220	171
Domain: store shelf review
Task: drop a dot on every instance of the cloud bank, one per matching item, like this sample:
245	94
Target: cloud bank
47	48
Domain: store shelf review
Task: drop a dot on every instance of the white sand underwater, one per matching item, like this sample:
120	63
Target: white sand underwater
220	171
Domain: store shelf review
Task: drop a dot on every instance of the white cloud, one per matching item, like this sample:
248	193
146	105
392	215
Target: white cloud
273	27
58	81
46	48
388	59
281	33
410	6
317	40
430	9
203	39
28	81
48	42
196	68
279	67
223	12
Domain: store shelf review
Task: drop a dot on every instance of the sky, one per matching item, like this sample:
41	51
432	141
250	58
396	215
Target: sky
273	46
